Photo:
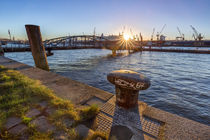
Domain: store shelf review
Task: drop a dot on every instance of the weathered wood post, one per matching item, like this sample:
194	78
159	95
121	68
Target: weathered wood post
1	50
37	47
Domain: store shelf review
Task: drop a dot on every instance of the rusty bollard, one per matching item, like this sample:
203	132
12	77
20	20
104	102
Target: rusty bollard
127	85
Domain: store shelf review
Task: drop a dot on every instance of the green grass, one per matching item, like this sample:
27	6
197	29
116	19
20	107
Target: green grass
19	93
89	112
26	120
96	135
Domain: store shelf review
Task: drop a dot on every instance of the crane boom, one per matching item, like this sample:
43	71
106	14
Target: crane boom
162	28
159	33
181	34
179	31
94	31
195	31
197	35
152	33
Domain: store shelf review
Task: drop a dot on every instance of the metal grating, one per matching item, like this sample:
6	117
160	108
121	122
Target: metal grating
104	123
108	109
113	115
150	126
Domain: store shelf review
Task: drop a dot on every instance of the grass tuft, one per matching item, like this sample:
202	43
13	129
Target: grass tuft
26	120
89	112
18	94
97	134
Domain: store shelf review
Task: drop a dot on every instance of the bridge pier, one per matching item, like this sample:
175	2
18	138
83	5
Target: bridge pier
49	53
114	52
37	47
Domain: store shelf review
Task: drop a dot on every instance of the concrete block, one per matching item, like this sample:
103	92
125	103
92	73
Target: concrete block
19	129
33	113
42	124
11	122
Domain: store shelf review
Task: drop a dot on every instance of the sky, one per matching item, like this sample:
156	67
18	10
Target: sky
75	17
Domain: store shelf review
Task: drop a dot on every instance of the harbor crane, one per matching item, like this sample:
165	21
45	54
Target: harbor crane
94	31
152	34
159	33
196	35
181	35
9	35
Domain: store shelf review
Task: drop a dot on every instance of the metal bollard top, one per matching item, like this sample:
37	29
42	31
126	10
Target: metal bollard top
129	80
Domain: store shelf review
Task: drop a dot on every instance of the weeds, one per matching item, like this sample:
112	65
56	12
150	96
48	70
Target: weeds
19	93
89	112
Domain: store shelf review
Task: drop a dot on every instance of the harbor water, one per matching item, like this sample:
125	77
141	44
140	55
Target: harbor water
180	82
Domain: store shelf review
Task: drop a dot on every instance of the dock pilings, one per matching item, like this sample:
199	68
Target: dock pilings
37	47
1	50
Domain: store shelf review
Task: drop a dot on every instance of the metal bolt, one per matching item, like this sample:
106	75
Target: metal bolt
127	85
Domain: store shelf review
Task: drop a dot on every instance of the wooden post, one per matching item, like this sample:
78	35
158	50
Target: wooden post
37	47
1	50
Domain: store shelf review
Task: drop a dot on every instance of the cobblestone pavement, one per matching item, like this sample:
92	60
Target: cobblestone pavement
40	120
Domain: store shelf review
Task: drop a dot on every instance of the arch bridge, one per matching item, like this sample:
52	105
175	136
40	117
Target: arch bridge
78	42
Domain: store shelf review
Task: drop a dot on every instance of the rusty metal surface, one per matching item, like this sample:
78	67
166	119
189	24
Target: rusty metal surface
127	85
129	80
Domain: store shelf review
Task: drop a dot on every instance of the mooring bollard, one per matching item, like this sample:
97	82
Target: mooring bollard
37	47
127	85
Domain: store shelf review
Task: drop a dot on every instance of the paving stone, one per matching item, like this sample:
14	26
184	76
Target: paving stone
68	122
137	137
50	110
83	131
11	122
95	100
19	129
43	104
121	132
99	138
60	135
33	113
24	136
42	124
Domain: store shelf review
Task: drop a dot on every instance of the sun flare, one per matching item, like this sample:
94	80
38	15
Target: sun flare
126	37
